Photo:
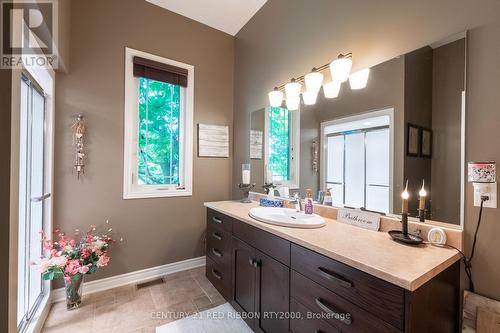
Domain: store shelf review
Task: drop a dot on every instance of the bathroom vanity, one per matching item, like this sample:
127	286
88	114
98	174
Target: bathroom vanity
338	278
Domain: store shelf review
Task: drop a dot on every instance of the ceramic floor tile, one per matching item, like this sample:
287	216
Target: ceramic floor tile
127	309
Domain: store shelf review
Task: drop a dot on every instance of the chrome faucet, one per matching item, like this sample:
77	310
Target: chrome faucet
297	202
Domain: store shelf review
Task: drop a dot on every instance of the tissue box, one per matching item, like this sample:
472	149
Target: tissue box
264	202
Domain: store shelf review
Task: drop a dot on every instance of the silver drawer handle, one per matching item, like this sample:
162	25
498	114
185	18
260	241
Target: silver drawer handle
38	199
216	274
217	252
334	277
336	314
216	236
217	220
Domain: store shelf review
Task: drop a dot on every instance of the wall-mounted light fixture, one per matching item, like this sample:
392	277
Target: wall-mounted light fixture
275	97
359	79
340	70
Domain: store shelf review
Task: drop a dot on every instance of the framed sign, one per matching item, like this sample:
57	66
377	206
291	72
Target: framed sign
426	143
256	140
413	141
213	141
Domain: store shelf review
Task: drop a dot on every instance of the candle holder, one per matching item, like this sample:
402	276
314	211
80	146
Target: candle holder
421	214
246	188
268	187
404	236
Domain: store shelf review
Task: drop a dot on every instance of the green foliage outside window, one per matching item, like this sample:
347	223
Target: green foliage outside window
158	144
279	143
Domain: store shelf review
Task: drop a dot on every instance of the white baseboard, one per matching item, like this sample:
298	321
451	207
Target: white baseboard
133	277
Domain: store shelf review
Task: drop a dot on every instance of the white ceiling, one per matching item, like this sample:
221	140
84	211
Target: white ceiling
225	15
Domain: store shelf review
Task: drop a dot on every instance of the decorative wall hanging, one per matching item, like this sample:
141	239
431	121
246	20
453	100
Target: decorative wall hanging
426	143
314	153
256	140
213	141
78	128
413	141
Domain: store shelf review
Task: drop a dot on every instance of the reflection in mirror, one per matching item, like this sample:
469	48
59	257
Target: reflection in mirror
363	145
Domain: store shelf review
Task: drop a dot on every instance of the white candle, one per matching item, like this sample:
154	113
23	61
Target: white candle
422	194
245	177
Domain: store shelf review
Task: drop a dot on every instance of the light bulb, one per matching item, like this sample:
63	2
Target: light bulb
292	104
275	98
422	191
359	79
292	89
309	97
331	89
341	68
313	81
405	195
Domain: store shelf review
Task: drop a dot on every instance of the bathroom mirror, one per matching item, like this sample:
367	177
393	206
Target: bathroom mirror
363	145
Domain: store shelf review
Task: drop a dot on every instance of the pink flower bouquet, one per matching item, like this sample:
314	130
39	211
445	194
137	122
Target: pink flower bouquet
70	258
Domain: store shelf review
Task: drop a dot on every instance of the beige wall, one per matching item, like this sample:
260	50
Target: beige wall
156	231
288	37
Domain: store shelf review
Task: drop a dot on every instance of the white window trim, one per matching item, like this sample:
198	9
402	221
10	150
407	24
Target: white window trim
130	188
324	147
294	181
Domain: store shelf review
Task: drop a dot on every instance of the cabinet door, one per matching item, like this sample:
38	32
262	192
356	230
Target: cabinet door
272	295
244	268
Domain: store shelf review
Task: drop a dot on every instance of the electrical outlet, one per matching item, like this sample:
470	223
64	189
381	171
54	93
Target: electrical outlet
487	189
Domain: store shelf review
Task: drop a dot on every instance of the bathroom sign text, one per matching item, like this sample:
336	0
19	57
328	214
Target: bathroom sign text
359	218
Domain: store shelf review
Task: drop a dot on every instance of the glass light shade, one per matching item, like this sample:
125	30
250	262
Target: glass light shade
359	79
292	90
340	69
313	81
482	172
275	98
331	89
310	97
293	103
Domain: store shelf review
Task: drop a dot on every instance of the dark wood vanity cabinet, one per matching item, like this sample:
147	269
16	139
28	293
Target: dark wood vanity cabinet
279	286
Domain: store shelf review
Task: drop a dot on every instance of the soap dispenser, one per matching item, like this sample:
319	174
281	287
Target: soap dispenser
308	207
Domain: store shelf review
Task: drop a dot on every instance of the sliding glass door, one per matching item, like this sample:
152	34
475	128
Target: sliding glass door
33	198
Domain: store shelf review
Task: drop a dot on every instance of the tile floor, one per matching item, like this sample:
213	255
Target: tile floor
126	309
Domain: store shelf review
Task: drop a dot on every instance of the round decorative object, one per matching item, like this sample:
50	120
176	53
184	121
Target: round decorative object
437	236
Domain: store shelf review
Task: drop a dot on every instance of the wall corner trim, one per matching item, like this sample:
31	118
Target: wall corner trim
133	277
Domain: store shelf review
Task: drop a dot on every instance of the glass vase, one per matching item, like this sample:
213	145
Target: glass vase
73	289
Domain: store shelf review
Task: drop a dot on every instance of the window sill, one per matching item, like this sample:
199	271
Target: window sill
157	194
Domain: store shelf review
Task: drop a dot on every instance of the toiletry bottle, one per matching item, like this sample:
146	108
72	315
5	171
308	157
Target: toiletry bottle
328	201
308	207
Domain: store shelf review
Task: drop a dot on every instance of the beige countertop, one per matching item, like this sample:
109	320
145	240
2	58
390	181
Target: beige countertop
369	251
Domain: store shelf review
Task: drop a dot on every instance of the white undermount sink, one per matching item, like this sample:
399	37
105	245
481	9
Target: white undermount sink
286	217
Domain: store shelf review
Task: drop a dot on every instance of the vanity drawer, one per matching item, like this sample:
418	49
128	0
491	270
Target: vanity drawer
219	220
272	245
218	245
343	314
306	325
381	298
219	277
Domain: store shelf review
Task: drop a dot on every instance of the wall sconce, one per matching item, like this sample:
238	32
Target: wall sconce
359	79
331	89
309	97
292	89
340	68
275	97
313	81
293	103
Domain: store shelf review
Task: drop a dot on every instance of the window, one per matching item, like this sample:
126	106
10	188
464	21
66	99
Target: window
358	158
282	127
158	127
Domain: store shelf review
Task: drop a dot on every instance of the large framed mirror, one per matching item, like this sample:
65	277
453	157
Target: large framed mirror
363	146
